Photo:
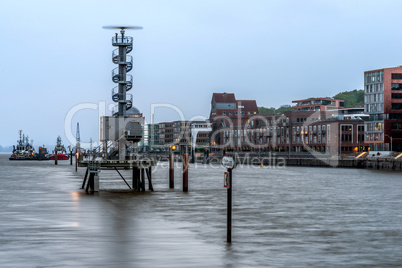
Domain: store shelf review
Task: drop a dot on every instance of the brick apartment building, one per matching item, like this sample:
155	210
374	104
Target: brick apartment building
383	102
315	125
230	118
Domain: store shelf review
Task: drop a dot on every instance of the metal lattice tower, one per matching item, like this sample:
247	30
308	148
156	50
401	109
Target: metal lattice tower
119	74
77	134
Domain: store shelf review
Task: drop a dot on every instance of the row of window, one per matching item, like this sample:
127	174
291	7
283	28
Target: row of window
374	77
396	86
374	108
374	137
373	88
236	113
397	126
396	76
397	96
375	126
377	97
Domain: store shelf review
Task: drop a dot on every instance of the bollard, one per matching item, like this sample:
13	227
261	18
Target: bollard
55	156
171	171
185	172
71	158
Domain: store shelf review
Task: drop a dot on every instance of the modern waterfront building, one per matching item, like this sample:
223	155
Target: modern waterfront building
314	125
317	104
178	135
383	102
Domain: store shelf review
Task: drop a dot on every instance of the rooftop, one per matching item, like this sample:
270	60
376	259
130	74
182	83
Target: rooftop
224	97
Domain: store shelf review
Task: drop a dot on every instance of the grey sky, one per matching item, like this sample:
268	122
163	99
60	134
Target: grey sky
55	55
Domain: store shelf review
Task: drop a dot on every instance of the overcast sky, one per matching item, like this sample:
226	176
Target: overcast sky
56	56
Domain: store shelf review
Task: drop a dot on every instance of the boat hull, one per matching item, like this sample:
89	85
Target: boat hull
59	157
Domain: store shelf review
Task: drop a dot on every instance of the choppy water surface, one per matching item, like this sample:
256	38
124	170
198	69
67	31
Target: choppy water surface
281	217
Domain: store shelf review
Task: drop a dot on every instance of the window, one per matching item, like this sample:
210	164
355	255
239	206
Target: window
396	76
230	113
396	106
328	132
224	113
397	126
396	96
396	86
395	116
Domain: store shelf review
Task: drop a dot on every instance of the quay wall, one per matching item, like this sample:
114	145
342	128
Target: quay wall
378	164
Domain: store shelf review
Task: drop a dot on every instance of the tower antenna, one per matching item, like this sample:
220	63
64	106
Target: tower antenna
77	134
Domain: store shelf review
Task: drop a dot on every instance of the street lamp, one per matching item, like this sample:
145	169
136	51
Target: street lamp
390	139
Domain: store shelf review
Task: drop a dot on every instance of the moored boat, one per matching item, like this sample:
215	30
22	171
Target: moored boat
24	150
60	150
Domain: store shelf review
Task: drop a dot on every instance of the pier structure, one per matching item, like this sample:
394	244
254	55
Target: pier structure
120	132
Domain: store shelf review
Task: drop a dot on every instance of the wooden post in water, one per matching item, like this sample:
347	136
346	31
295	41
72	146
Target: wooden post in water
55	156
185	172
229	215
171	171
76	161
149	173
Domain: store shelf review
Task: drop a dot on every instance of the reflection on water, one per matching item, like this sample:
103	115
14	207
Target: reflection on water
281	217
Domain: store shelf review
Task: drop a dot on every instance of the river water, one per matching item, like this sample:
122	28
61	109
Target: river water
282	217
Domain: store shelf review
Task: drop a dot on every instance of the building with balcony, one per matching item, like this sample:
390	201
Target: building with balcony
383	103
317	104
323	130
229	118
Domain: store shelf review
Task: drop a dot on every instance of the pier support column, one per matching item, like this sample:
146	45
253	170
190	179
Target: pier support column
143	179
96	182
135	178
149	174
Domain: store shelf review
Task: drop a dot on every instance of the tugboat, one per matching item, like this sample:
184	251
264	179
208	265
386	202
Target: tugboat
43	154
60	150
24	150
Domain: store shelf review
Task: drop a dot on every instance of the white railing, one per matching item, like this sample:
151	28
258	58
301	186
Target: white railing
122	40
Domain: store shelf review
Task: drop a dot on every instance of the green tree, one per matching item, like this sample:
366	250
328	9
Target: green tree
272	110
351	98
